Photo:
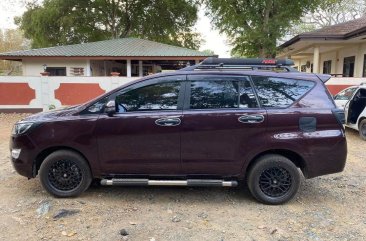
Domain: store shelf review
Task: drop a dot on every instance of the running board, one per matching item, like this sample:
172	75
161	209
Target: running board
188	182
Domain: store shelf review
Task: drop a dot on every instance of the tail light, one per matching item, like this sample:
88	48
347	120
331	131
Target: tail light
340	116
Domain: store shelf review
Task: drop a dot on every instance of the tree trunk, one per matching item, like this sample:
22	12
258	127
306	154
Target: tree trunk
263	52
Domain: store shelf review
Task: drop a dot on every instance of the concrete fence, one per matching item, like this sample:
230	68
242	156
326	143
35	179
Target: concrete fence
337	84
33	94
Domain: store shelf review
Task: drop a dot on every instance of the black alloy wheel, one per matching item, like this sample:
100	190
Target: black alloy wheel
273	179
65	173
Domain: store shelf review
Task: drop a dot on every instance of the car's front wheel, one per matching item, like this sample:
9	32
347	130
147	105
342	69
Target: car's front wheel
273	179
362	129
65	173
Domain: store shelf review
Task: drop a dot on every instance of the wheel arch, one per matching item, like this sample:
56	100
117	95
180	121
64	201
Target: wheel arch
46	152
294	157
360	120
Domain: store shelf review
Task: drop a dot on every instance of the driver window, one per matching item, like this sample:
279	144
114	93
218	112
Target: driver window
161	96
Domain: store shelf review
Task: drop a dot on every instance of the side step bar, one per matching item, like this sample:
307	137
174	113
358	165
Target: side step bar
188	182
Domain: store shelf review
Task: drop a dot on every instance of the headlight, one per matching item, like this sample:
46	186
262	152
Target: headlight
21	127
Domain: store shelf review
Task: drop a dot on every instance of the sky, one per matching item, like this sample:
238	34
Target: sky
213	40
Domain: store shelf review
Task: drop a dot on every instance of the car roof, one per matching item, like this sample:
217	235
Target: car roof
294	75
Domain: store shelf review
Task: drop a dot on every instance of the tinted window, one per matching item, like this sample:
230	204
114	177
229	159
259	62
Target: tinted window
279	92
162	96
96	107
247	96
212	92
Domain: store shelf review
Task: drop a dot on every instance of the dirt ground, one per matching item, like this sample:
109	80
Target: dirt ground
327	208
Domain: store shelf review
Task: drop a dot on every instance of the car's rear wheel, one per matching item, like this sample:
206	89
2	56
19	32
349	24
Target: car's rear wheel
65	174
273	179
362	129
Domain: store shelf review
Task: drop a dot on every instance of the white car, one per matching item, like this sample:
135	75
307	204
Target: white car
354	109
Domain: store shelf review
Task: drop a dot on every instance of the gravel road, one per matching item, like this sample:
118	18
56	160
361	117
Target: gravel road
332	207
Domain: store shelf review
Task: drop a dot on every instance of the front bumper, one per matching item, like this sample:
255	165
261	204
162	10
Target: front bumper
23	163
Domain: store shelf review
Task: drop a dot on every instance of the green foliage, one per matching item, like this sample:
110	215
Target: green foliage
255	26
60	22
331	12
11	40
208	51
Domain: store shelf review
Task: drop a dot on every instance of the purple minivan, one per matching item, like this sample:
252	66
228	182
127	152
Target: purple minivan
214	124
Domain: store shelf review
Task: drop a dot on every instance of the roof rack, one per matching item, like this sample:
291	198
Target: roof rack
213	63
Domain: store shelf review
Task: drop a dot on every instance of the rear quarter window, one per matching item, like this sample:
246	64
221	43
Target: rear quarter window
280	92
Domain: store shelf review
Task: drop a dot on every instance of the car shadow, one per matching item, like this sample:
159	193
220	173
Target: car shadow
167	194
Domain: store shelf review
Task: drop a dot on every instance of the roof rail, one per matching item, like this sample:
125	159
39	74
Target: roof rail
213	63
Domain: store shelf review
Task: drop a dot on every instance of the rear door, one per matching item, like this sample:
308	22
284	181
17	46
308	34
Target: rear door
355	107
222	123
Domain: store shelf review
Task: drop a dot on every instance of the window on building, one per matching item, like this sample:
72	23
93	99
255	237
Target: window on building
349	66
364	66
56	71
303	68
77	71
327	67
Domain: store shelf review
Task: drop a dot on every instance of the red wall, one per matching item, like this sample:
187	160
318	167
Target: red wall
72	93
16	94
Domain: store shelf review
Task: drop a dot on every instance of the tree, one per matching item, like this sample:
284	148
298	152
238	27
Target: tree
330	12
60	22
208	51
254	26
11	40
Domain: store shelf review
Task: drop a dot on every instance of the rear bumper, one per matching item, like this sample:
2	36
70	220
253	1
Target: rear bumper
327	160
24	164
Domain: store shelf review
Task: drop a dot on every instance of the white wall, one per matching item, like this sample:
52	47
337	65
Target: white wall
45	87
34	67
337	57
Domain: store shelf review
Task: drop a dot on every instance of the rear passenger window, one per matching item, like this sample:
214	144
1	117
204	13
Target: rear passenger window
280	92
219	92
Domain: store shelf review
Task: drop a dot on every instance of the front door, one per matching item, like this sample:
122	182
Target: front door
222	123
143	137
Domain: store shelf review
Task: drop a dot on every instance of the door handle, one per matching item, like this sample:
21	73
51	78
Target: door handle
170	121
251	119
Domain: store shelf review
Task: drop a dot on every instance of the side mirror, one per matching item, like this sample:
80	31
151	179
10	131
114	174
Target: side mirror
110	108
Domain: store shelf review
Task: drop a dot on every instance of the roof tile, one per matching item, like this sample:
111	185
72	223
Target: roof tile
126	47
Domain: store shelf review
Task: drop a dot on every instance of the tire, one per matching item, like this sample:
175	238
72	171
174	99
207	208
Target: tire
65	174
273	179
362	129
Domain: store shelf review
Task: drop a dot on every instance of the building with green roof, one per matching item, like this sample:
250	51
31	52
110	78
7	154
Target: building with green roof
129	57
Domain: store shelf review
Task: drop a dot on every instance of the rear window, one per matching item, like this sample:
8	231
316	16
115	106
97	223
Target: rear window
280	92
